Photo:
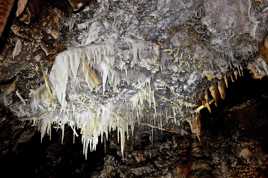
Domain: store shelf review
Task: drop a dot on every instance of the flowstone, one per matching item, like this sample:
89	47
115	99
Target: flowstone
151	62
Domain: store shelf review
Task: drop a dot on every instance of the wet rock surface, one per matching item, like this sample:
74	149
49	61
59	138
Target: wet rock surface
233	144
234	139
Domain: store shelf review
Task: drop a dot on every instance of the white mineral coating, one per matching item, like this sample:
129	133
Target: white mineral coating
137	61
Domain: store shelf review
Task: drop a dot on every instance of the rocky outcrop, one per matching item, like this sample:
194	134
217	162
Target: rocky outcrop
126	67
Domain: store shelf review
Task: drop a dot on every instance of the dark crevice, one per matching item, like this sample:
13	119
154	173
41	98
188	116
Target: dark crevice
238	122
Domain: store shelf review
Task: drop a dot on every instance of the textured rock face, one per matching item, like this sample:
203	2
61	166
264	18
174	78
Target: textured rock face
139	62
234	146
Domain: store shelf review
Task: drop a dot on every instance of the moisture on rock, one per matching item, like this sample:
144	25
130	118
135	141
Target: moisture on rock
133	62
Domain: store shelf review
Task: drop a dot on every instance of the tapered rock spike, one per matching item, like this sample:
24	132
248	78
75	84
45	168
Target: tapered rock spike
232	77
239	71
91	77
236	75
226	81
242	71
222	89
207	101
215	93
199	108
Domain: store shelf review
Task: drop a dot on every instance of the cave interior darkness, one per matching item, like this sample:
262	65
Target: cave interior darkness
234	143
242	116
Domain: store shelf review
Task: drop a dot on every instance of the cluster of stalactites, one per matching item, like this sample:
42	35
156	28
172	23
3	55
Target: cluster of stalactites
70	96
